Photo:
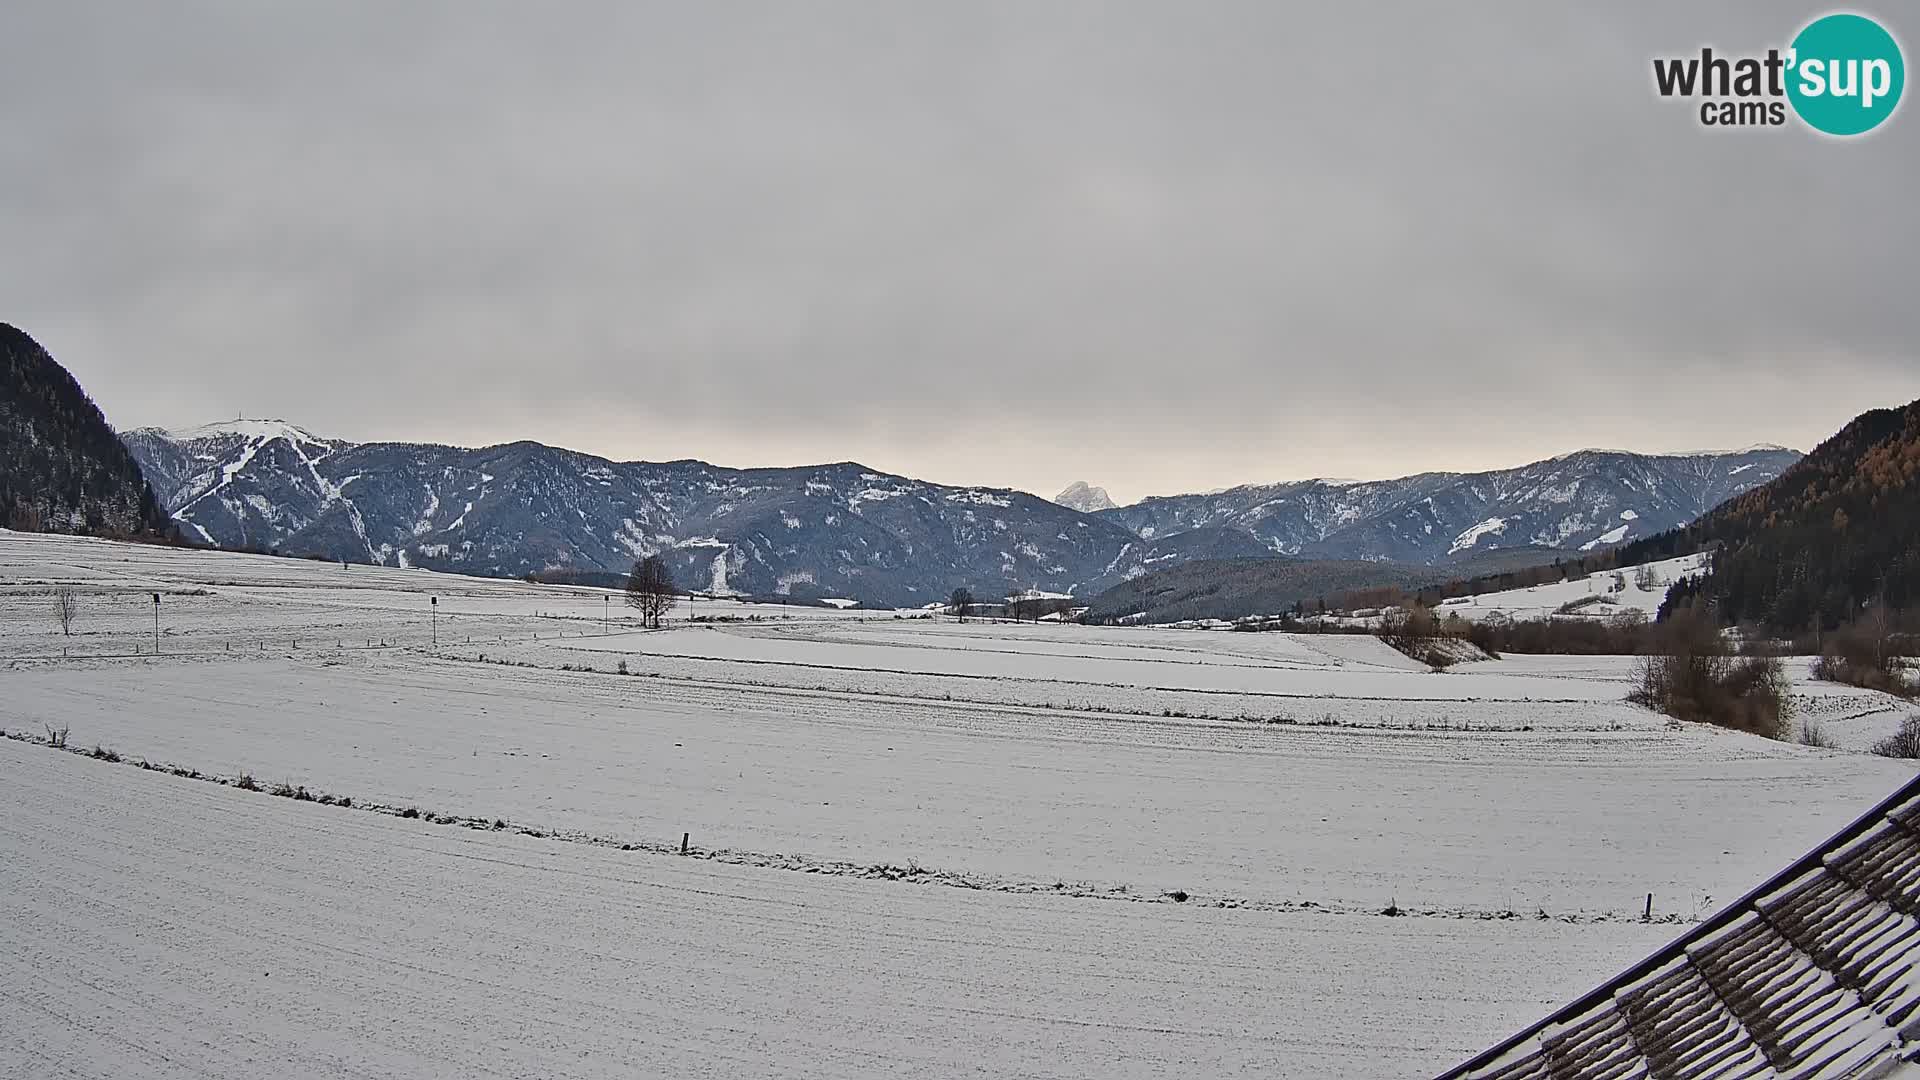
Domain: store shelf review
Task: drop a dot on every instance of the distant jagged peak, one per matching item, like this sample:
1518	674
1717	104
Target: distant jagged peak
1084	498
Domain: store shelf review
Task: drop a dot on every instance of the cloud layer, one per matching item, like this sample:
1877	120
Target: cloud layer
1159	247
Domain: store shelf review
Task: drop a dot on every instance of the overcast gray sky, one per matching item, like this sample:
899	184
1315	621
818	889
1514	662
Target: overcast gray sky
1161	247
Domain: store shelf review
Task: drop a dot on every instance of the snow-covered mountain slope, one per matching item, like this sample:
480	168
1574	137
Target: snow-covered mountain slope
839	530
194	472
1079	496
846	531
1583	500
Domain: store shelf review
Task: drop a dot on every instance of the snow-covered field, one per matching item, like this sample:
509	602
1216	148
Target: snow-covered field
221	602
155	927
916	846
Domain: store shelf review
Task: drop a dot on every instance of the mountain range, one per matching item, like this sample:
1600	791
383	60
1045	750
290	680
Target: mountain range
1580	501
847	531
826	531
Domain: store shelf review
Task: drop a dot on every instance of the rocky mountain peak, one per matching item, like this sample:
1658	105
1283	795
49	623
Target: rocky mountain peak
1079	496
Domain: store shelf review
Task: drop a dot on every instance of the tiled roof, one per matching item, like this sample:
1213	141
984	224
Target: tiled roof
1814	975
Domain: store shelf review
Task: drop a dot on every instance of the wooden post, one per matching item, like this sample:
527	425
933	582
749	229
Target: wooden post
1648	917
684	837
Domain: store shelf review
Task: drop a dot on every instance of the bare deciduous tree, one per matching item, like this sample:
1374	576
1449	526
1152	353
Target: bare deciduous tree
65	607
650	589
1013	607
1864	653
1904	743
960	603
1645	578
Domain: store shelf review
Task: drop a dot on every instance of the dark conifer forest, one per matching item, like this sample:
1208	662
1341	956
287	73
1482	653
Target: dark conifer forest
1833	535
62	468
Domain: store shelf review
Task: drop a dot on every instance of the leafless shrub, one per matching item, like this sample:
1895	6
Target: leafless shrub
65	607
57	736
1424	636
1693	677
1812	734
1864	654
1755	642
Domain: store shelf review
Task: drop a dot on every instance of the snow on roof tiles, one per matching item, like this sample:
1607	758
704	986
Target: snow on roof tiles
1813	975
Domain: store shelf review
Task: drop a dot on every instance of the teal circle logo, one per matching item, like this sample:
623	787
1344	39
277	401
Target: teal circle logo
1846	74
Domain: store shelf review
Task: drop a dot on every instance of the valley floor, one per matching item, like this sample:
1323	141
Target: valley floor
915	846
158	927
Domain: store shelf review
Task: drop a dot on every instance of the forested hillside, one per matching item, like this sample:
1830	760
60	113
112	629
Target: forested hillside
1835	533
62	468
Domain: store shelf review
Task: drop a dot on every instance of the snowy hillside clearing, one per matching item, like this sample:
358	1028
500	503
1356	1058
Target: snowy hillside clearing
1594	595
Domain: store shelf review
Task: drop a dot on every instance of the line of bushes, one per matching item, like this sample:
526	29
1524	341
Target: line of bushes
1693	675
1867	653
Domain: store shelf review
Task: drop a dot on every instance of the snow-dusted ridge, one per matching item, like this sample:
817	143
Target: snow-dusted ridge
240	428
850	531
1574	501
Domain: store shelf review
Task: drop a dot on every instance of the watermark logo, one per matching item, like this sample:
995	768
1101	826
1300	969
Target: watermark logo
1841	75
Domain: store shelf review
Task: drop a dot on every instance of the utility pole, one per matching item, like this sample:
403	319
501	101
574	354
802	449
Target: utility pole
433	603
606	615
156	624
